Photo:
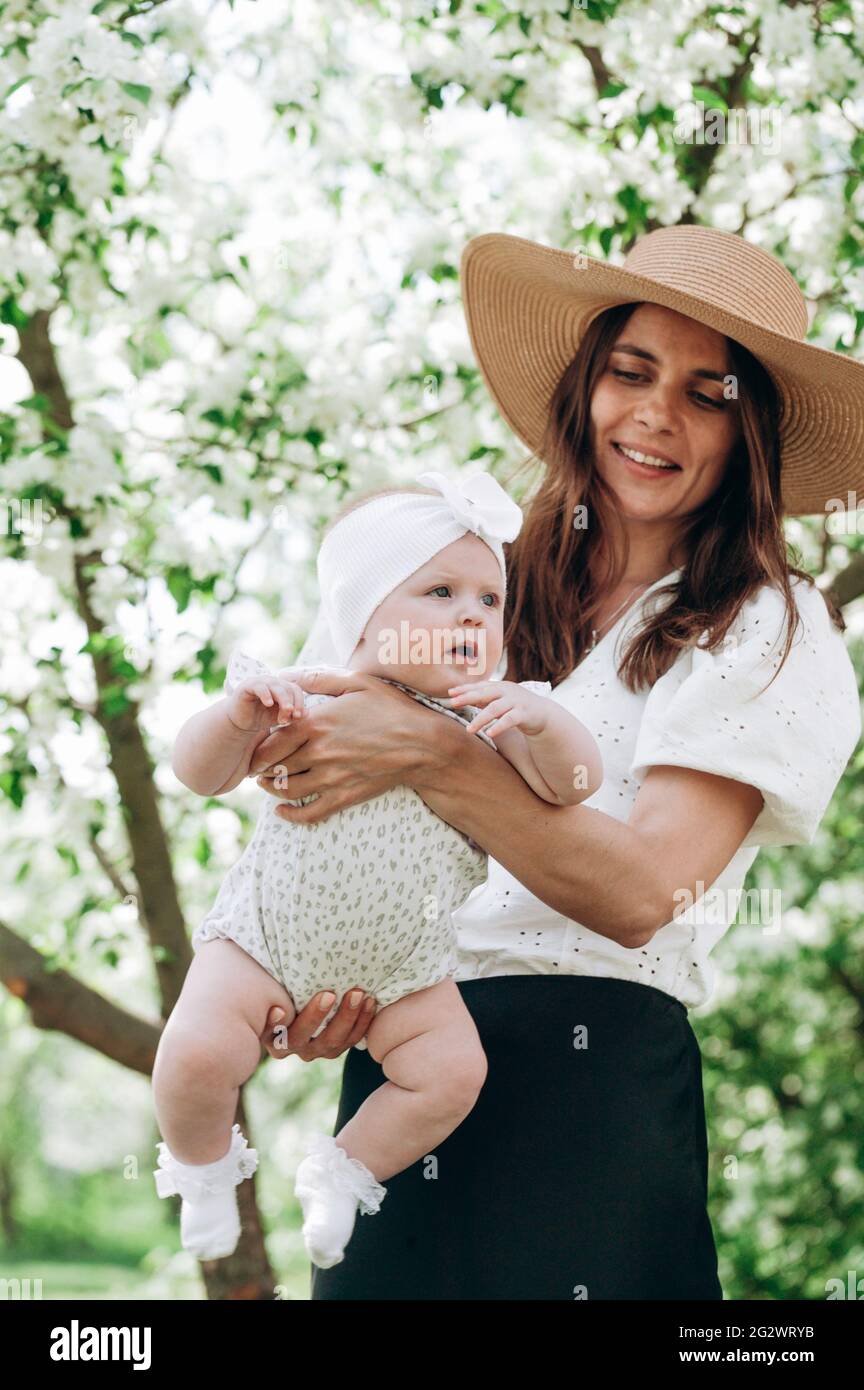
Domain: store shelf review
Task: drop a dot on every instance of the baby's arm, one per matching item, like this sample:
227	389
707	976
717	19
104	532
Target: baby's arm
211	755
565	756
214	748
553	750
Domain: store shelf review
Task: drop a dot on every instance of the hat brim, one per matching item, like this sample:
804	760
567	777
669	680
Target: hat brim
528	305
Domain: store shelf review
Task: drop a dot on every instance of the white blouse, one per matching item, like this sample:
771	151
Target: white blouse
792	741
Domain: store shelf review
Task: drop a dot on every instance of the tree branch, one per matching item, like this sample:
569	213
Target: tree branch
599	70
58	1001
129	760
702	157
849	583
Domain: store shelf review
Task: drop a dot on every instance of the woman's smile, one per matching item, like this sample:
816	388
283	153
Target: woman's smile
652	471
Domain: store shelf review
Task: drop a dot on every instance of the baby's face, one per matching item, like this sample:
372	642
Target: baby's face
419	634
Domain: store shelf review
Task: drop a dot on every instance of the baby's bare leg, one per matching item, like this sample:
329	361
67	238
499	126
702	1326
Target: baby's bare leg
430	1050
210	1046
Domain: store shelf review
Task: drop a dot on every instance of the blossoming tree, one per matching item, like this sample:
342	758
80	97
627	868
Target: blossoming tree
229	248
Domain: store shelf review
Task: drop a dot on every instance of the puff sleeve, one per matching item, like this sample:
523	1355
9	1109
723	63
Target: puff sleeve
537	687
242	667
791	740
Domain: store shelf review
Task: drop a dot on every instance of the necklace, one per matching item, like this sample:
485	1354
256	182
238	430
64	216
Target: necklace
594	630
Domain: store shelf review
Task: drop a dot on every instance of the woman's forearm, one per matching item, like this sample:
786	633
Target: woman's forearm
588	866
578	861
211	755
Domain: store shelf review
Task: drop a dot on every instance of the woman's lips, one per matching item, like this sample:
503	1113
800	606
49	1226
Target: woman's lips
645	470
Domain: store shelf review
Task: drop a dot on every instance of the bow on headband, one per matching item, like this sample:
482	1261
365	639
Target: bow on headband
377	545
480	503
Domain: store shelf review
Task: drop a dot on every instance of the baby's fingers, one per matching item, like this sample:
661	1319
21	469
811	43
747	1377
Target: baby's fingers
260	690
497	709
500	726
472	695
479	694
290	700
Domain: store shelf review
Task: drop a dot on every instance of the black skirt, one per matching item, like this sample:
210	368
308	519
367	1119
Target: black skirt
580	1173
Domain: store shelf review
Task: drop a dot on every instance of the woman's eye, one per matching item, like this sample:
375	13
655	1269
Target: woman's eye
698	395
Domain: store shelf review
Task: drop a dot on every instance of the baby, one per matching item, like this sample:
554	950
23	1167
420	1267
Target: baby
412	590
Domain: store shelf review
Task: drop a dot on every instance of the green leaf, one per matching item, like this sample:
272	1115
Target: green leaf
37	402
12	786
11	314
711	98
69	857
28	77
180	586
113	700
202	850
139	91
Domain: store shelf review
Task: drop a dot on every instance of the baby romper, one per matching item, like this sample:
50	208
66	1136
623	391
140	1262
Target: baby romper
363	898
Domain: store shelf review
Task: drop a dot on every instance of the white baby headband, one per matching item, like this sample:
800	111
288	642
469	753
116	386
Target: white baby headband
378	545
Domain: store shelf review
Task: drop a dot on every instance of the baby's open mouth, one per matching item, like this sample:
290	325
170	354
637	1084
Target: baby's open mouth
465	649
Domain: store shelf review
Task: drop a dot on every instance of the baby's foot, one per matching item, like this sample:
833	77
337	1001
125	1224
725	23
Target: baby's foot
331	1186
209	1216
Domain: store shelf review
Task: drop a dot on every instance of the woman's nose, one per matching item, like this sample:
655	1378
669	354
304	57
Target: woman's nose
656	411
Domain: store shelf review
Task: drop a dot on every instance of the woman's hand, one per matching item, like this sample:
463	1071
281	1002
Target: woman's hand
347	1026
352	749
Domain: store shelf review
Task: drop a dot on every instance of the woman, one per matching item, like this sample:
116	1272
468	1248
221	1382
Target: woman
679	416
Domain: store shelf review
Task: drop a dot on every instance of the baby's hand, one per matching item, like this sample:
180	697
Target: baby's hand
251	704
505	705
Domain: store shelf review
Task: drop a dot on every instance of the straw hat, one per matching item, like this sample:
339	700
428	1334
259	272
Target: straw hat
527	306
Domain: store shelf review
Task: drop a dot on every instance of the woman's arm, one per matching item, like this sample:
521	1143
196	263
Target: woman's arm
684	828
619	878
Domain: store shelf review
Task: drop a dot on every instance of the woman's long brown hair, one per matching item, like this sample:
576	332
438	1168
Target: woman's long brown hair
558	573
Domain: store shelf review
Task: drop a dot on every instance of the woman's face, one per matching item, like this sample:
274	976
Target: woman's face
443	626
662	394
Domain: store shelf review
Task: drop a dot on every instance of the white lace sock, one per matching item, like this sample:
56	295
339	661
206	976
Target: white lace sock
331	1186
209	1217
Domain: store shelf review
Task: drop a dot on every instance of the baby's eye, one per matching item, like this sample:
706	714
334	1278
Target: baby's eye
439	587
493	597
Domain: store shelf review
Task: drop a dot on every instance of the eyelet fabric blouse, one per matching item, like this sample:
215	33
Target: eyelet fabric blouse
708	712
